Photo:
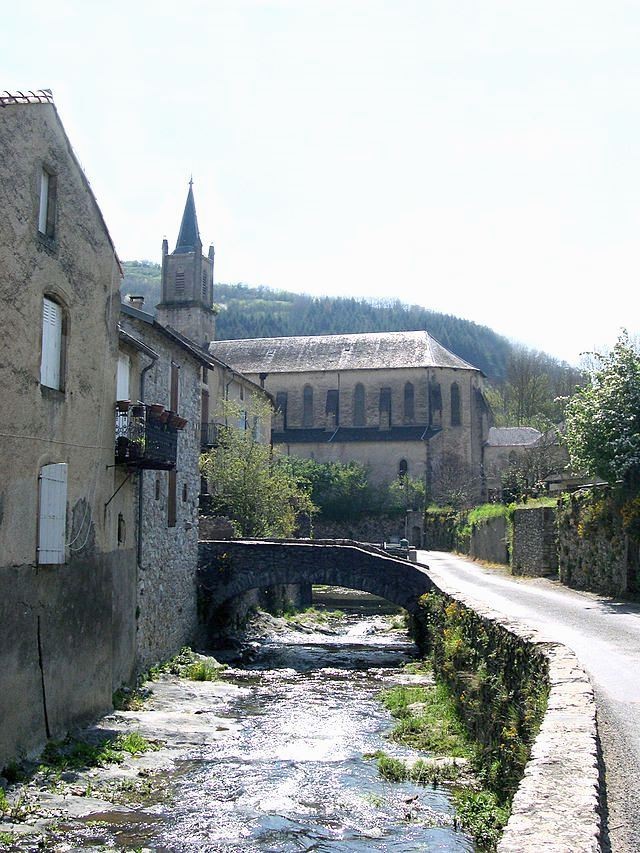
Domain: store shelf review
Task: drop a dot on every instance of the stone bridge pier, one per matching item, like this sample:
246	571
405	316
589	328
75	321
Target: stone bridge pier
230	570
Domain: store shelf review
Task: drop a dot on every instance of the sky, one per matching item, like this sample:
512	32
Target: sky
477	158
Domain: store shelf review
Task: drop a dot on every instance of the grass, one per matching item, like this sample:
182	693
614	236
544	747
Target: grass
313	615
75	754
186	664
432	727
203	670
421	772
482	815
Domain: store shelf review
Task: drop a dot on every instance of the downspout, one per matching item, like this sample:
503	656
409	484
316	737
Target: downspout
143	372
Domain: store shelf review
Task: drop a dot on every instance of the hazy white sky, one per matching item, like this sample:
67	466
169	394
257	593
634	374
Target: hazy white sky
477	158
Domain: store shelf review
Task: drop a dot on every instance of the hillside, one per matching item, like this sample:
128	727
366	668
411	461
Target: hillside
259	312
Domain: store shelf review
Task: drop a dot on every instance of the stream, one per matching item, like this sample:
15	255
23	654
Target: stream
292	772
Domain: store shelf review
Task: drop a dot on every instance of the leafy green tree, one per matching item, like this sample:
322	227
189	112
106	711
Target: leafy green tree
603	418
340	491
250	484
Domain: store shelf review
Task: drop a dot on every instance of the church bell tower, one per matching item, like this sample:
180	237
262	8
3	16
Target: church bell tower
187	282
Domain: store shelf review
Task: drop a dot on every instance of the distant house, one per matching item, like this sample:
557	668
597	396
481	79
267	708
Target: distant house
540	457
66	585
399	402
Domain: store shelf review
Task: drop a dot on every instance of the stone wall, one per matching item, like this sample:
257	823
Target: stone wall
534	542
557	804
166	595
594	548
488	541
66	629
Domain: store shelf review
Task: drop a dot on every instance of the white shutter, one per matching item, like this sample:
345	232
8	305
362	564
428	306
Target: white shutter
44	202
51	343
122	384
52	527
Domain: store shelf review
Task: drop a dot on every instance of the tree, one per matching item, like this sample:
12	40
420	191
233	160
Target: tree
249	483
603	418
340	491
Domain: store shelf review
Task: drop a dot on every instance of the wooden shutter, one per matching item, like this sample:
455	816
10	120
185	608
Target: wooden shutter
174	387
172	500
52	526
51	344
44	202
122	384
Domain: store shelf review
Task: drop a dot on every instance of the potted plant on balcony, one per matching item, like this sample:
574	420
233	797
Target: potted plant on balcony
155	410
136	448
181	422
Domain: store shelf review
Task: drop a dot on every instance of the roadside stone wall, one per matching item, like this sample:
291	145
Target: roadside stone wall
488	541
593	546
535	541
440	531
375	530
557	804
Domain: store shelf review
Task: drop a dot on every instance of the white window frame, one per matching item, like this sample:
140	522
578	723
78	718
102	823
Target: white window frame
52	343
52	514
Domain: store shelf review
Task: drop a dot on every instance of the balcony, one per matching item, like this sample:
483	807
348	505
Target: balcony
209	435
146	436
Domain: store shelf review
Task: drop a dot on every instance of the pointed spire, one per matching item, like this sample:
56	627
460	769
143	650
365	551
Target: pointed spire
189	236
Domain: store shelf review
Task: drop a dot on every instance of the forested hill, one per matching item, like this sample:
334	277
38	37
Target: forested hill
259	312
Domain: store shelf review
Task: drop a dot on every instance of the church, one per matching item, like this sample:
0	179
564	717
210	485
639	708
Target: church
398	402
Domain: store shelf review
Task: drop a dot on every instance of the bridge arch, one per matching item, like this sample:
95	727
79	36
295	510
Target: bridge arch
229	569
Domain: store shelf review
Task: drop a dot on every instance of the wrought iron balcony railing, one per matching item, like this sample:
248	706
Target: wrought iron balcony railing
146	436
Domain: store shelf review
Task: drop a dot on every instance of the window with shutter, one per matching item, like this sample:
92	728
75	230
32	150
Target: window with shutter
122	384
47	208
51	358
52	518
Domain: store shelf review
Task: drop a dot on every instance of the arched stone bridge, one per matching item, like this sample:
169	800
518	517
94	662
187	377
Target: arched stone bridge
229	569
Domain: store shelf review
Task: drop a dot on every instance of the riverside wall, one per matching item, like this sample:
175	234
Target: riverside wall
557	805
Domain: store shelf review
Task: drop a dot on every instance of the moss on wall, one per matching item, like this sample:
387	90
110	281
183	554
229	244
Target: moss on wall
599	534
499	683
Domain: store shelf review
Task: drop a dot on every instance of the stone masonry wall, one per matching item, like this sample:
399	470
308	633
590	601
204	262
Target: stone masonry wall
535	541
593	546
167	600
557	805
488	541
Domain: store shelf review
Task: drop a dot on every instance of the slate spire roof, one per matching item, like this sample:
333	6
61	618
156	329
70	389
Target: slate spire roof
336	352
189	236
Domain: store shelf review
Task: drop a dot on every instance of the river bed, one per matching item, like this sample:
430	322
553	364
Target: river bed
274	758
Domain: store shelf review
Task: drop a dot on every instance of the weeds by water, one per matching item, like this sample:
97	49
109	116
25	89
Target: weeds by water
427	720
482	814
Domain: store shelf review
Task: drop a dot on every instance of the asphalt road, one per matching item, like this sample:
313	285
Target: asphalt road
605	635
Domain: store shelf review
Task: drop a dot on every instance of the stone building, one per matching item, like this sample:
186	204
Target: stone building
398	402
66	581
166	387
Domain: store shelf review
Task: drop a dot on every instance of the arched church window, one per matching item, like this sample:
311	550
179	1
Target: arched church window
307	406
385	408
358	405
409	404
180	280
455	405
204	284
403	468
281	408
332	409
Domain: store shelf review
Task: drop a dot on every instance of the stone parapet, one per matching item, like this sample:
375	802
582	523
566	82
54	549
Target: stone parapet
557	805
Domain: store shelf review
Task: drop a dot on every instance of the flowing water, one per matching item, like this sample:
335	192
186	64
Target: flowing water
295	776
